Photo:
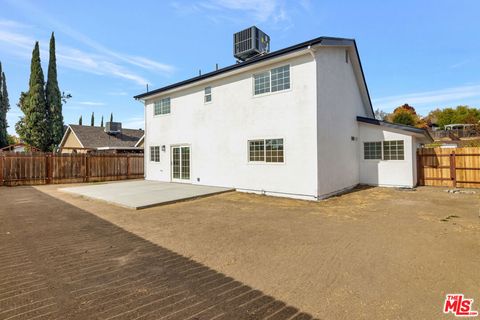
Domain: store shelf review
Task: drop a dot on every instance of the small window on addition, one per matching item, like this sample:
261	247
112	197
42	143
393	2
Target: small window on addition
208	94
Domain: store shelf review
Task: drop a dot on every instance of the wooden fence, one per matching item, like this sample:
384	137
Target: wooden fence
449	167
46	168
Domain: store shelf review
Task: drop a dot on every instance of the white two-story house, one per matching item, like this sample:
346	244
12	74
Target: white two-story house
296	122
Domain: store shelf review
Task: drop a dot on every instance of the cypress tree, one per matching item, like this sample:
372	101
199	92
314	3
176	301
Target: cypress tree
111	117
101	123
54	97
92	120
34	127
80	121
4	107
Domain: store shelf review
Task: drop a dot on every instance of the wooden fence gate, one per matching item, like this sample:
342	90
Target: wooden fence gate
449	167
46	168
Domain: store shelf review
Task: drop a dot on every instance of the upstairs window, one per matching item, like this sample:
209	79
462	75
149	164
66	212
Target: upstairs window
208	94
155	154
262	82
265	150
162	106
280	78
274	80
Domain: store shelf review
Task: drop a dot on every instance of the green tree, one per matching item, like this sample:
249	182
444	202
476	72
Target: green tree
54	97
80	121
101	123
406	114
12	139
34	126
92	120
111	117
4	107
404	117
460	115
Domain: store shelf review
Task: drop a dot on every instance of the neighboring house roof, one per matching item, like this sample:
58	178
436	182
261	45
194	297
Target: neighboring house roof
96	137
397	126
18	145
139	142
324	41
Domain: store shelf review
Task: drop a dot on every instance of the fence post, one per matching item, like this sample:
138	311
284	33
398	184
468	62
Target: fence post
419	168
128	166
2	168
87	167
48	169
453	173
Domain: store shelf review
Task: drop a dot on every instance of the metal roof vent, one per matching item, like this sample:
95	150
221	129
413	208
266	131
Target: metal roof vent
249	43
113	127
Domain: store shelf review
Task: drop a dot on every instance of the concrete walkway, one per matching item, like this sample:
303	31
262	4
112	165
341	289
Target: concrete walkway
143	194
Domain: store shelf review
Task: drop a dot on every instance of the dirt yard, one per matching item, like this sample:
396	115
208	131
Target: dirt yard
374	253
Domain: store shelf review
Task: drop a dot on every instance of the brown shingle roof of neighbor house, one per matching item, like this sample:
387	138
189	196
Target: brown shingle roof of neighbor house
96	137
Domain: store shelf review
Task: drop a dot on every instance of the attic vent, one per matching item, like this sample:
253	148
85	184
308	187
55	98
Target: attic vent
249	43
113	127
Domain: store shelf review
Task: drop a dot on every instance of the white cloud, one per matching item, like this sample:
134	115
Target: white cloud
134	123
117	93
102	61
91	103
431	98
261	11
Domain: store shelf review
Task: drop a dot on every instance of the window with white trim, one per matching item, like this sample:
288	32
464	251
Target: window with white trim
372	150
266	150
208	94
162	106
393	150
386	150
155	154
280	78
276	79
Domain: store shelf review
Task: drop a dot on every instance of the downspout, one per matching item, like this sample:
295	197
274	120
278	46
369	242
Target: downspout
144	136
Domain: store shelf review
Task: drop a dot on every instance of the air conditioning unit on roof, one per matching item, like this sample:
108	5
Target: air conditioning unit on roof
249	43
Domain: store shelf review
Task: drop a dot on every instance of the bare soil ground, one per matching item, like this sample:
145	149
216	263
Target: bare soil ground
374	253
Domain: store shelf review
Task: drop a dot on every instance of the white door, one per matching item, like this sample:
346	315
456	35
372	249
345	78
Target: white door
181	164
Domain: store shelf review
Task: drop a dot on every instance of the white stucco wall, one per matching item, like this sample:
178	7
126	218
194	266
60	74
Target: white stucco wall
218	132
339	103
389	173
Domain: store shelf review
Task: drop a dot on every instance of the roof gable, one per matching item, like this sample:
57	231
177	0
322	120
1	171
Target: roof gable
96	137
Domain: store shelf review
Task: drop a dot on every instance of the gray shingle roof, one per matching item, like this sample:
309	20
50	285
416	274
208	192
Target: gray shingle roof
96	137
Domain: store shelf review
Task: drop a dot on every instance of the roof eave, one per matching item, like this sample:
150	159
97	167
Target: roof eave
325	41
397	126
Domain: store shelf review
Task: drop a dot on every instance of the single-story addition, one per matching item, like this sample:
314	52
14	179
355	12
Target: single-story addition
296	122
83	139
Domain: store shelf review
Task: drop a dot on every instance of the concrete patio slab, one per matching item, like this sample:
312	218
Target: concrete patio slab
143	194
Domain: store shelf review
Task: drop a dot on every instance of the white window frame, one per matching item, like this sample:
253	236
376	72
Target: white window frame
205	95
264	161
382	150
390	141
269	92
154	153
160	101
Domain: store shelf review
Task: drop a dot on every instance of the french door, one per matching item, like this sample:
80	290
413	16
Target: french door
181	163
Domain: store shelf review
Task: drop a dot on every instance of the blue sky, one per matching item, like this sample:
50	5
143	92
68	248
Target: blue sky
425	53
